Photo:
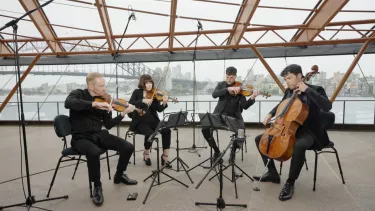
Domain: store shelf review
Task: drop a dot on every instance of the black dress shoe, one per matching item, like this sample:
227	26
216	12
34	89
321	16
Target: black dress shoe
165	163
268	177
287	192
216	157
98	197
147	161
124	179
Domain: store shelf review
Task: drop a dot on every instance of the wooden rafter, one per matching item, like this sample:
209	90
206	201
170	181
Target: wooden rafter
103	13
326	12
246	12
42	24
172	22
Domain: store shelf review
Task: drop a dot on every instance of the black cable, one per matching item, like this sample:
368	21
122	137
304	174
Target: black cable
50	92
18	80
364	77
6	83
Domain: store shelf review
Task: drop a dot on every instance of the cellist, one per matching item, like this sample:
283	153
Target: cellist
310	134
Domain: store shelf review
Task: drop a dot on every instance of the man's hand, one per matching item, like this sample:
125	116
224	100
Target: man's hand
147	101
267	119
234	90
301	86
255	94
165	99
129	109
102	106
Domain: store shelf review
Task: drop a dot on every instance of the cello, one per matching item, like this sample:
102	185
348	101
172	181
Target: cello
279	139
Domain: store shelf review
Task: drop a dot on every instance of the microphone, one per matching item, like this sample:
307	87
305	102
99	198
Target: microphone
133	16
200	25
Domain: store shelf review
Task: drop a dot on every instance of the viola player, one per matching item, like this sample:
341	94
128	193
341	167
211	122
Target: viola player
87	118
230	104
147	123
310	134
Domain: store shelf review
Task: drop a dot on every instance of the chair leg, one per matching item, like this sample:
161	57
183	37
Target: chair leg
109	170
315	168
54	176
134	150
307	168
281	167
338	162
75	170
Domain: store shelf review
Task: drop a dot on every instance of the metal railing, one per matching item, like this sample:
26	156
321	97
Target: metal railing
346	111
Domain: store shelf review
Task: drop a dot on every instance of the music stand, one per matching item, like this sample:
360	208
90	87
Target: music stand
233	125
213	121
220	203
156	173
178	119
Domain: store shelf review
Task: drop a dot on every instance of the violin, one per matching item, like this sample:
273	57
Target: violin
117	104
279	139
247	90
154	93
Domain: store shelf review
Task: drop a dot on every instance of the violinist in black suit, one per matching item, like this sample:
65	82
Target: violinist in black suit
230	104
147	123
309	135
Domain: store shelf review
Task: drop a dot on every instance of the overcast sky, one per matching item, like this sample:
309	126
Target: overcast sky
86	16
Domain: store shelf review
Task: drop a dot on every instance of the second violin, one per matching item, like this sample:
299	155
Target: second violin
154	93
247	90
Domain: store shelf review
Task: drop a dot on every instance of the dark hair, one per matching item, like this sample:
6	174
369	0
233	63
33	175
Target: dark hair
143	80
292	68
231	71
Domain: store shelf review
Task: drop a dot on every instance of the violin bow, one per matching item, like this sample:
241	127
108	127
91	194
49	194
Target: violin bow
248	72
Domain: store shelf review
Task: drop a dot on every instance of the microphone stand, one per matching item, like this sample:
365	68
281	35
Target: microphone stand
132	16
30	200
194	148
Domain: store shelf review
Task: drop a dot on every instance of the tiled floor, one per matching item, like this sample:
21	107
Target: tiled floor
356	150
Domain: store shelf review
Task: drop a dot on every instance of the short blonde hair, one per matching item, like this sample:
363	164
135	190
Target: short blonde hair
92	76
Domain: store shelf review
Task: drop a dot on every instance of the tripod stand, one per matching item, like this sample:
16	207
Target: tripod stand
30	200
220	203
233	125
174	120
156	173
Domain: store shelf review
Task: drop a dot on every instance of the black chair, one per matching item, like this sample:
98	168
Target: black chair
129	134
328	121
63	128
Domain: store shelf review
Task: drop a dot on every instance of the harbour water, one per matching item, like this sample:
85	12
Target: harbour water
348	110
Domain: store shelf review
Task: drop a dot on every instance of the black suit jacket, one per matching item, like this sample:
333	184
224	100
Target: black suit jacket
136	100
221	92
318	102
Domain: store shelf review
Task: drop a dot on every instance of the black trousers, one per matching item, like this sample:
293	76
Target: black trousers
207	133
303	142
91	148
148	129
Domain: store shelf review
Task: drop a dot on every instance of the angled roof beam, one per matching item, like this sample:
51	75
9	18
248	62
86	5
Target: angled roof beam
172	22
103	13
326	12
4	49
42	24
246	12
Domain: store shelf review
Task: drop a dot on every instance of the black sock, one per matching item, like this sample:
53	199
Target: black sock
97	183
290	181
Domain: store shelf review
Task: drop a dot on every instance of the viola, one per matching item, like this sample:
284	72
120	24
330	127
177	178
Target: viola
154	93
279	139
117	104
247	90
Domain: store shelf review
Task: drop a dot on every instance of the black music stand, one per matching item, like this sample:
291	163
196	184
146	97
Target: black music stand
220	203
174	120
213	121
233	125
156	173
